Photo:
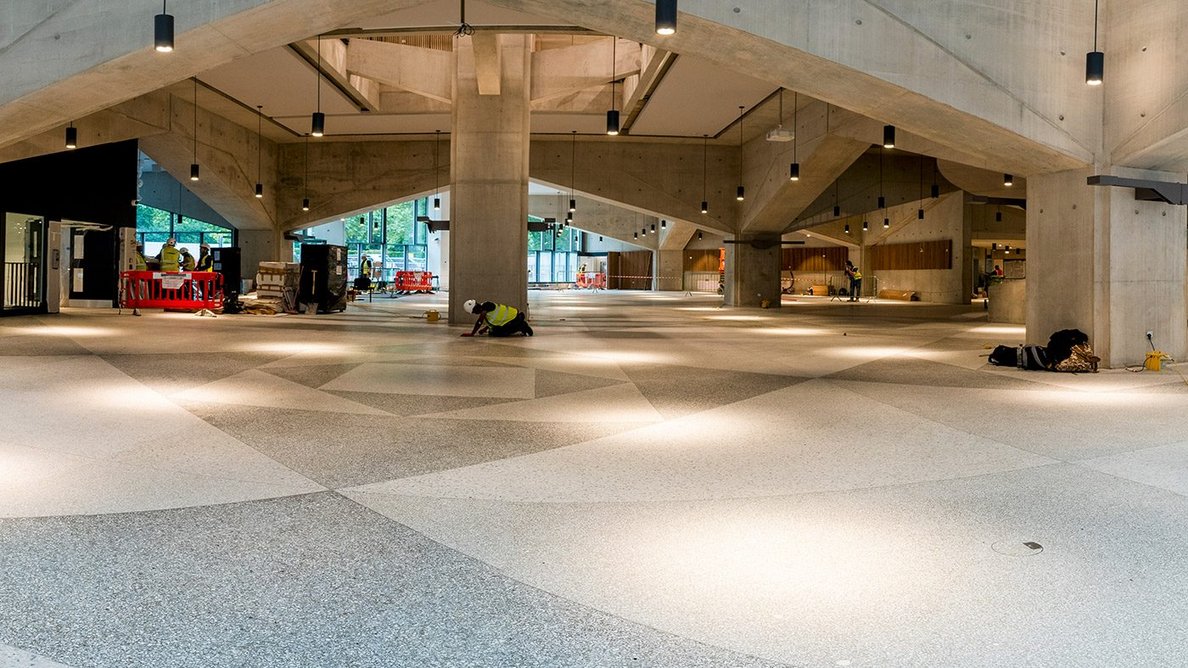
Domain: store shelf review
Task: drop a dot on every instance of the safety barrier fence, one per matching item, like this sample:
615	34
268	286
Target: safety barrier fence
413	281
183	290
593	280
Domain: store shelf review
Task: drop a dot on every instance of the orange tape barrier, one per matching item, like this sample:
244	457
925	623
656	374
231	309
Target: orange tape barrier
413	281
182	290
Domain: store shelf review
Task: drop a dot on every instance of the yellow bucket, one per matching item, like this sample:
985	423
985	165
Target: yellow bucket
1154	361
432	316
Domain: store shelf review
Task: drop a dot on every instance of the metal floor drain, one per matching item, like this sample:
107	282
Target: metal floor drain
1017	548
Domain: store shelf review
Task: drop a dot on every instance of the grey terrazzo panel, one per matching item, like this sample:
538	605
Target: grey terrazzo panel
304	581
364	449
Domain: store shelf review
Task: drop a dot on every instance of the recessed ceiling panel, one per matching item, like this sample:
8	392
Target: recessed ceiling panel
280	80
698	98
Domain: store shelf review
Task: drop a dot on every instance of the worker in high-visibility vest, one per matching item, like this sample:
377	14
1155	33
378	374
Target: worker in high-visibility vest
169	256
497	319
205	259
187	260
138	262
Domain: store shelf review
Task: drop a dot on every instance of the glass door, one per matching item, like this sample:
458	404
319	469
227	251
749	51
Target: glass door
24	263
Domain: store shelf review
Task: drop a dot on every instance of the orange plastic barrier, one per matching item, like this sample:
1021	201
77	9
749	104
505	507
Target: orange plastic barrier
414	281
591	279
183	290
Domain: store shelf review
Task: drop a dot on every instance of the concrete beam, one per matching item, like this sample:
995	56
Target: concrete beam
426	72
56	69
662	179
332	54
1001	95
557	72
350	177
488	62
595	217
774	201
226	155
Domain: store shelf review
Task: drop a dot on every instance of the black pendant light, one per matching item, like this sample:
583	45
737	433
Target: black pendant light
664	224
163	30
194	165
612	116
847	230
1094	60
573	172
920	211
998	216
888	136
882	199
318	122
436	179
794	172
259	151
71	136
305	182
666	17
865	225
635	235
837	198
699	237
741	193
704	168
935	192
1008	180
644	230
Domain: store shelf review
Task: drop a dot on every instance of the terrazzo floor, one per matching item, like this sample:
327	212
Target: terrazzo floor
651	480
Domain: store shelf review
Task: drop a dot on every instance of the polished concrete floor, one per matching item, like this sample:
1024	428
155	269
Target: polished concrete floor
651	480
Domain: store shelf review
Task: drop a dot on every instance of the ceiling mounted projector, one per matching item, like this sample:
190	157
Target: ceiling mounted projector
780	134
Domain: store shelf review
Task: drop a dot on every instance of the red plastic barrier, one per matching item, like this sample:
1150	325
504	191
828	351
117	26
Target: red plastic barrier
183	290
414	281
591	279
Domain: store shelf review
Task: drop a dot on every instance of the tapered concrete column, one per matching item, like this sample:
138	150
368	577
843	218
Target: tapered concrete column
1106	264
489	178
753	271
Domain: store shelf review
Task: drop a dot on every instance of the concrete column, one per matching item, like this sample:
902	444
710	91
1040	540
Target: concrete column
1106	264
669	270
753	271
489	146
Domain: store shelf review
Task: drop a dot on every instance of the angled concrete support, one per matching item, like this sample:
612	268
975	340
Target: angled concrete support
753	270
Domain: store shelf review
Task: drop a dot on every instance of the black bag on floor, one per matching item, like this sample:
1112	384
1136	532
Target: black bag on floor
1005	356
1035	358
1061	343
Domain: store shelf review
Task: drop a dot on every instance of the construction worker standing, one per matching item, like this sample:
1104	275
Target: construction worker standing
169	256
497	319
138	262
187	260
205	259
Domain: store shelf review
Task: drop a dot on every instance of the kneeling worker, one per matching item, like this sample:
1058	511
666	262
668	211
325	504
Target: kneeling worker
498	319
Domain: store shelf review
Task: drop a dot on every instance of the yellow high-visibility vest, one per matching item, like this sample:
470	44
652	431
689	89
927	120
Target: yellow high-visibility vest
169	258
501	315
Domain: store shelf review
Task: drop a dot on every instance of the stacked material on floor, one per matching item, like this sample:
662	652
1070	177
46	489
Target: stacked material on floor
277	284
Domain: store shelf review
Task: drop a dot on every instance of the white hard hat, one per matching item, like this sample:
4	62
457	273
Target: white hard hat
204	245
469	305
185	251
171	242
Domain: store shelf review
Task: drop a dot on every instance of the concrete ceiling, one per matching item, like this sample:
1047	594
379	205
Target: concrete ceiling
698	98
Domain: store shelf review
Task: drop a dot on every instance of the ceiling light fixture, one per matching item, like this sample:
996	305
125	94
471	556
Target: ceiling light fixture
1094	60
699	237
612	116
920	211
847	230
666	17
998	216
163	30
194	165
305	182
865	225
635	235
318	122
259	151
573	172
1008	180
436	164
664	224
794	171
71	136
888	136
741	193
704	167
837	197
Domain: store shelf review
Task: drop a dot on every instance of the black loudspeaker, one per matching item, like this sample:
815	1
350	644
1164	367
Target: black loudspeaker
227	261
324	277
